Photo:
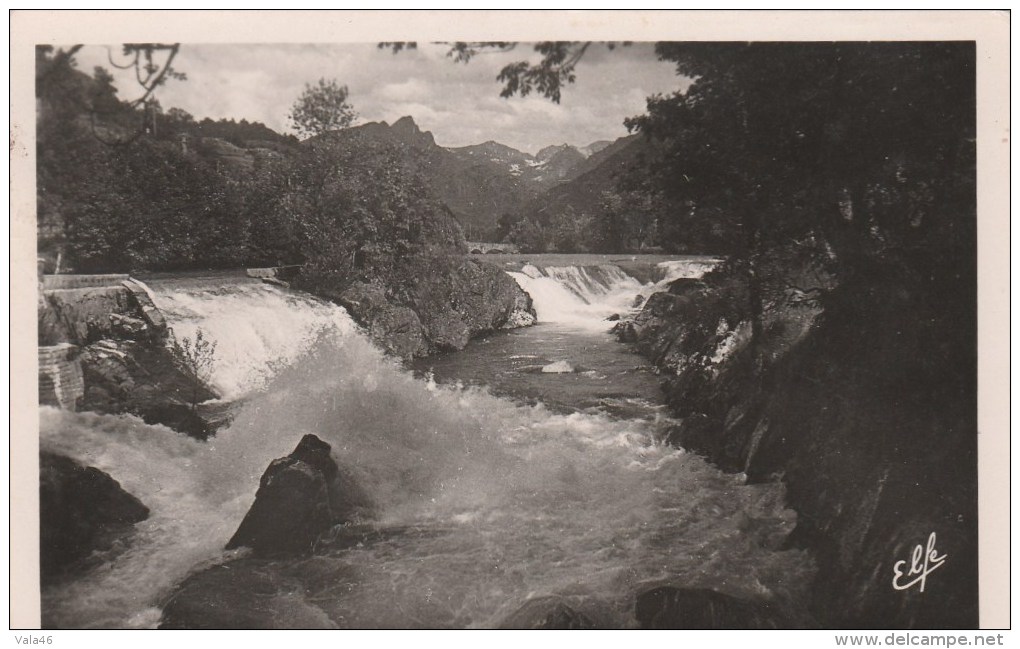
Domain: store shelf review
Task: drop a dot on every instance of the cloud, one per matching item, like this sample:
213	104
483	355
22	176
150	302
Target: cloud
459	103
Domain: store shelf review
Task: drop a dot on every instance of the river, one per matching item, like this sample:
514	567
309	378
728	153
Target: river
527	465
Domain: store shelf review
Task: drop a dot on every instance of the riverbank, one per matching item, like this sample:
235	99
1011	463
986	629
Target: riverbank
861	401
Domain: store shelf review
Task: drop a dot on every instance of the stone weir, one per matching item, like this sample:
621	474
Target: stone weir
77	312
102	347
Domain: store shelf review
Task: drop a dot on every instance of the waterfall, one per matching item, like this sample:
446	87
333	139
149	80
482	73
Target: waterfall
583	296
257	327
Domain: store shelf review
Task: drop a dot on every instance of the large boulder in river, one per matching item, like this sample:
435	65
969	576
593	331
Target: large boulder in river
394	327
81	509
669	607
467	299
300	496
429	304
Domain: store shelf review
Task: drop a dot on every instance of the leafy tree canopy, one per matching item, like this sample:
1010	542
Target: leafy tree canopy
322	108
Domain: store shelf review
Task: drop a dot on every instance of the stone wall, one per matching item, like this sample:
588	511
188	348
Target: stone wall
60	376
51	282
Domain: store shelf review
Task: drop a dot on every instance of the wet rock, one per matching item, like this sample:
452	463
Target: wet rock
84	314
669	607
396	328
296	502
638	301
127	326
242	594
139	377
81	509
613	318
547	613
432	305
686	286
625	331
467	299
178	416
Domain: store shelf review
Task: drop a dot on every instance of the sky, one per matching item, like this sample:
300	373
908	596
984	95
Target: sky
459	103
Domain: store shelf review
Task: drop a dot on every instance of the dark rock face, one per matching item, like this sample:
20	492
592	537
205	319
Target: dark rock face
397	329
125	366
547	613
472	299
139	377
866	412
81	509
298	499
429	310
85	315
669	607
177	416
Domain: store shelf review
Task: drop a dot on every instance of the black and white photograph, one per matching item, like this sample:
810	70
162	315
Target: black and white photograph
400	331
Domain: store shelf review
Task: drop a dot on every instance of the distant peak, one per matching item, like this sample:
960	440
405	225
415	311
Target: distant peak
406	123
407	130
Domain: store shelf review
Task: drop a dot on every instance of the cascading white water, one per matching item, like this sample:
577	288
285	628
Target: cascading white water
583	296
686	268
505	501
580	297
257	327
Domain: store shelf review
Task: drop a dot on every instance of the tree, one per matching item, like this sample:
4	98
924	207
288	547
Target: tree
322	108
364	206
195	358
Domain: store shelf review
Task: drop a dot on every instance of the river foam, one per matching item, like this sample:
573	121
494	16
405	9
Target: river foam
490	501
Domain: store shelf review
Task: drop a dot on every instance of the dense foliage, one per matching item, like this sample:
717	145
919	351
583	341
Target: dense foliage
858	156
869	146
189	195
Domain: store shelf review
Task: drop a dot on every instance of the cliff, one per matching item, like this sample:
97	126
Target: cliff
863	402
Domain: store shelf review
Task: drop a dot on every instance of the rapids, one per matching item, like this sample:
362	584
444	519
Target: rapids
491	499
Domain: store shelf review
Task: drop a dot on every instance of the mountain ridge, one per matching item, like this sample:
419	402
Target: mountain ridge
484	183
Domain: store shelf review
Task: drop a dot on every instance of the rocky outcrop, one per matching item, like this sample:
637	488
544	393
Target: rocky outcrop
865	410
669	607
81	510
84	315
473	299
114	337
429	310
300	496
140	377
394	327
547	613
